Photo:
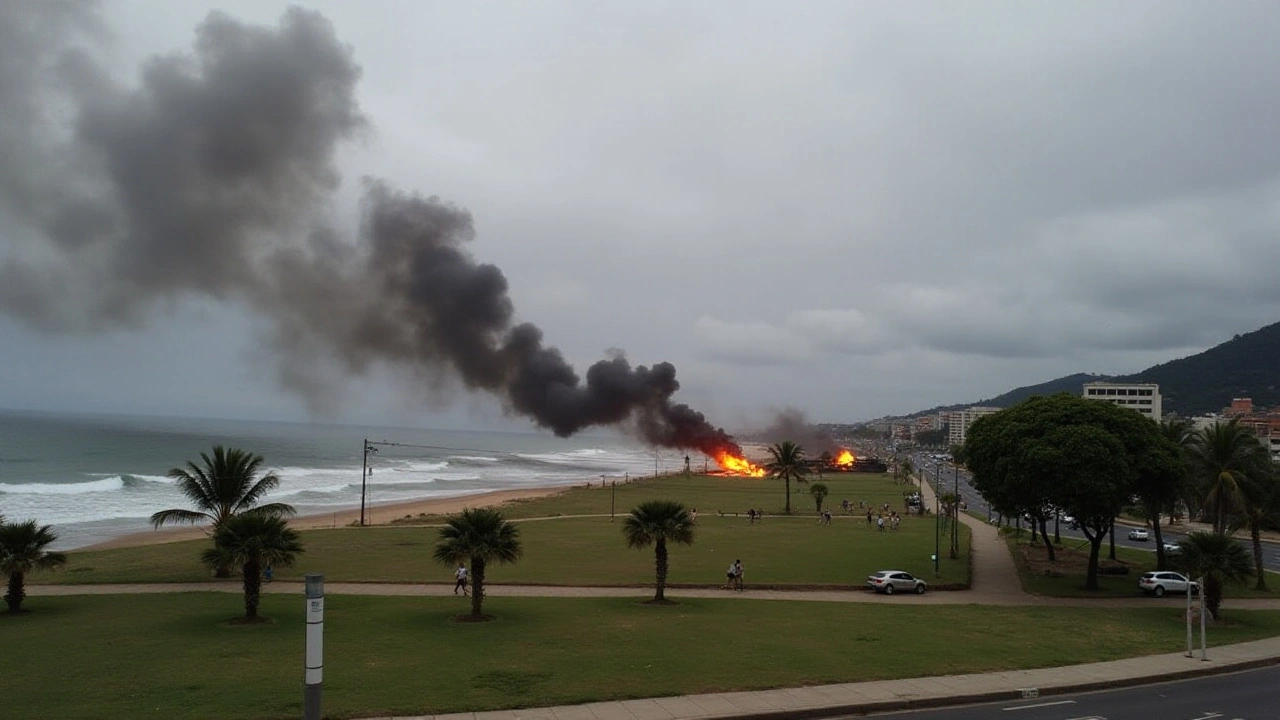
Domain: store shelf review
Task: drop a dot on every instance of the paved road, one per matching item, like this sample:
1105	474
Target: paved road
946	474
1248	695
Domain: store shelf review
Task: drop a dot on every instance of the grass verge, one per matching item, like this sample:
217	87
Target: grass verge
176	657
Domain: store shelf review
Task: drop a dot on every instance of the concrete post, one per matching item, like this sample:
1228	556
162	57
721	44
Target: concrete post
315	647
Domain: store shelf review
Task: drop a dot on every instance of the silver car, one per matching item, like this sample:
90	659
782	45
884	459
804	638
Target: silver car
1160	582
891	581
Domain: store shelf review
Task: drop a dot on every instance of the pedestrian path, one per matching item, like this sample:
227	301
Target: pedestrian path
886	695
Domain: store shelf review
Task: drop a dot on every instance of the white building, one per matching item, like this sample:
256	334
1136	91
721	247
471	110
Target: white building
960	420
1143	397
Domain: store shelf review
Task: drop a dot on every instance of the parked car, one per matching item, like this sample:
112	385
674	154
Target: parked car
891	581
1161	582
1139	534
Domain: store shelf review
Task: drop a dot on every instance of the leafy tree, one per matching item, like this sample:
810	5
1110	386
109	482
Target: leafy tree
908	469
1065	452
1216	558
22	550
223	485
1224	455
1160	480
788	464
253	541
481	536
819	492
654	523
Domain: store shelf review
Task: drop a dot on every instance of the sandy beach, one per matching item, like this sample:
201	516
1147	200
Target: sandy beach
376	515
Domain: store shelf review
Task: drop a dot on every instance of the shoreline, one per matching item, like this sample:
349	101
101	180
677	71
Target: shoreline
374	515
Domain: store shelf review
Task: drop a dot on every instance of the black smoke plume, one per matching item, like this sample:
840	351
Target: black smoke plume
792	425
210	178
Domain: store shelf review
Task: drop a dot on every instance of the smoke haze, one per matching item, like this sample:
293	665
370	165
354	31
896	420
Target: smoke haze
211	177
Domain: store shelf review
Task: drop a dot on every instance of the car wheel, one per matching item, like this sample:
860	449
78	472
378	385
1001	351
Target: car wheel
919	589
888	589
1159	591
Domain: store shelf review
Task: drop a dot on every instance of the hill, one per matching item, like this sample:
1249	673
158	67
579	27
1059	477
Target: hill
1245	366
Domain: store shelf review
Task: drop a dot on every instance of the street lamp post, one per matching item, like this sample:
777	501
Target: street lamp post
955	514
364	476
937	518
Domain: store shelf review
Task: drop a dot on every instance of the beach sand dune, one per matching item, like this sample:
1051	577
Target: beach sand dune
376	515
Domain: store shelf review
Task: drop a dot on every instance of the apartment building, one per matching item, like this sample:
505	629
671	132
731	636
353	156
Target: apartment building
1143	397
960	420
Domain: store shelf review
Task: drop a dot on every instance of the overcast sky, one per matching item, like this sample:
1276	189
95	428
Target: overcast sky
853	209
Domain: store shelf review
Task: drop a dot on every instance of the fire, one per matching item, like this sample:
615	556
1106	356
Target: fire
846	458
735	465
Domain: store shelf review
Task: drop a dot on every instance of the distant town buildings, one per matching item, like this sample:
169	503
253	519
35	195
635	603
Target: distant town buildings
960	420
1143	397
1265	424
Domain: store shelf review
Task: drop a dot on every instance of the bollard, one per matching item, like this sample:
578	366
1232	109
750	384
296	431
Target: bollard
315	647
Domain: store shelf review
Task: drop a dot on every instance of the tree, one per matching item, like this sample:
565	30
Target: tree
788	464
1159	484
1215	558
654	523
1223	455
908	469
1261	510
1064	452
22	550
481	536
819	492
253	542
222	486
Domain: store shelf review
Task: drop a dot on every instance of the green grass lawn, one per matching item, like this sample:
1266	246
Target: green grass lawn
174	656
793	551
1073	553
563	549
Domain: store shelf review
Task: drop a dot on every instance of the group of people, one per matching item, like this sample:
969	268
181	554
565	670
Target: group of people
733	577
891	520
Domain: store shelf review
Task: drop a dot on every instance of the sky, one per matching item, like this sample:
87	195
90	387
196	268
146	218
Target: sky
850	209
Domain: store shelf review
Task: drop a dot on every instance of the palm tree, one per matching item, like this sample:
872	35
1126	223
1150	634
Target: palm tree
788	464
1223	454
655	522
22	550
253	541
481	536
1261	510
819	492
1216	558
224	485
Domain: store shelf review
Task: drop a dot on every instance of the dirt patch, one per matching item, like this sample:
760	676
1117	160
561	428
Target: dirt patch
1070	561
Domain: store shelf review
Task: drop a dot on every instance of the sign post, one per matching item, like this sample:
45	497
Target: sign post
315	647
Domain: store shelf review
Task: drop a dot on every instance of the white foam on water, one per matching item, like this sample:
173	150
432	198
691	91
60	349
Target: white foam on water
106	484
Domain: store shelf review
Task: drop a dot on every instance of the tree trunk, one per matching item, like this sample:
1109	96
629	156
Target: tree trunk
1095	549
1112	553
1255	535
17	591
660	558
1212	594
1034	531
787	480
1154	512
477	587
222	571
1057	530
252	573
1048	546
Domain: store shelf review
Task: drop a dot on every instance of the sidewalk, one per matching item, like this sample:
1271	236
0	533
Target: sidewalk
851	698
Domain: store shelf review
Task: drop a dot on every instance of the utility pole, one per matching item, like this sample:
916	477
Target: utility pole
313	664
364	477
613	498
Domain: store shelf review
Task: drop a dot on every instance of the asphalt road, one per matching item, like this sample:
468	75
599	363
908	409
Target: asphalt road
946	475
1248	695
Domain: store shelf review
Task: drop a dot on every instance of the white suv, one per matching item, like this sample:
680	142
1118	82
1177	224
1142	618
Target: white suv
1160	582
1139	534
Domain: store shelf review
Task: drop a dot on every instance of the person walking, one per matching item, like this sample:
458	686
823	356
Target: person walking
461	583
730	576
737	575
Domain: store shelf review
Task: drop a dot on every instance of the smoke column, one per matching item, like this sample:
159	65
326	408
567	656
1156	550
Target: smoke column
209	178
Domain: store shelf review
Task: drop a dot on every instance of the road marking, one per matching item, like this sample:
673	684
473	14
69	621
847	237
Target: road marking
1209	715
1044	704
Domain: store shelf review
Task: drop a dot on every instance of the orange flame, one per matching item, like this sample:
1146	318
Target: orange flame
738	466
846	458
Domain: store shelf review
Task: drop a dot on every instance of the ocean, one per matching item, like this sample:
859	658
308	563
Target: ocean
97	477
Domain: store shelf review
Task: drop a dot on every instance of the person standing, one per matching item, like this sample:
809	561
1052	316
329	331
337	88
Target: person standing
737	575
730	576
461	575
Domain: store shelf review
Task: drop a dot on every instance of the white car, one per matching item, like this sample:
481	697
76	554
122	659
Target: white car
1162	581
1139	534
889	581
1170	547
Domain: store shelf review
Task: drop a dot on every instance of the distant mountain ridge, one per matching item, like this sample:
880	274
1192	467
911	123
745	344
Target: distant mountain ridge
1245	366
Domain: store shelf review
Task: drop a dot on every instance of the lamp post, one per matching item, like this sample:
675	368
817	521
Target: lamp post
937	518
955	514
364	476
